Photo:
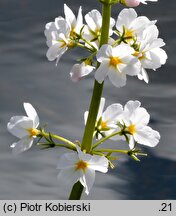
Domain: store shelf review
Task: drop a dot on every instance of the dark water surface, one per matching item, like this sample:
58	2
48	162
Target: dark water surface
27	76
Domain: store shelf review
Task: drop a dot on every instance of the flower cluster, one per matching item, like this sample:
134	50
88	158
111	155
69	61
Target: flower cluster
133	45
128	123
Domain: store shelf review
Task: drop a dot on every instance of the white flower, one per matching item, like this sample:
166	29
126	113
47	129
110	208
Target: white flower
92	30
25	128
116	63
136	119
106	122
80	70
81	167
74	23
150	54
60	33
130	25
58	39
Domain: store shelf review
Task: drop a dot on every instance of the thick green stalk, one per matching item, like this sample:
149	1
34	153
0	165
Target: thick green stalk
76	191
98	88
96	97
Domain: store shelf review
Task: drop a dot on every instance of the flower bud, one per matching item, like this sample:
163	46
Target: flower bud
135	3
130	3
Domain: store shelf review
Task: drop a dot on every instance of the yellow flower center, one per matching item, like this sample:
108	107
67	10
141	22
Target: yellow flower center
97	32
81	165
136	54
114	61
33	132
129	33
72	33
132	129
142	56
63	43
139	55
104	125
87	62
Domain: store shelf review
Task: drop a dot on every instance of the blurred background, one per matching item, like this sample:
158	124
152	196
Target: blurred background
27	76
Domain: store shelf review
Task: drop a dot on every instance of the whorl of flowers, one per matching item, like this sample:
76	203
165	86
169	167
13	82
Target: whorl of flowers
133	46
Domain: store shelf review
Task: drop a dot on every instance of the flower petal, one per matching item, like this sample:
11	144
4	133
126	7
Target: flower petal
99	163
82	155
18	126
31	113
55	52
94	20
67	160
131	106
112	112
143	75
133	67
79	21
104	53
69	16
140	117
125	18
131	142
101	72
22	145
87	180
118	79
147	136
68	176
101	107
80	70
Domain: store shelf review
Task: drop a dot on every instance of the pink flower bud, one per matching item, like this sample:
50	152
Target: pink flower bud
132	3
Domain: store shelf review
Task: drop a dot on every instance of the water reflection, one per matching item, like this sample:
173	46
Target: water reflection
27	76
153	178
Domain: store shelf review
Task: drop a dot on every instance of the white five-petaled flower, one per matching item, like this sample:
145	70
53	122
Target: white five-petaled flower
136	119
106	123
92	30
25	128
60	33
130	25
80	70
116	63
150	53
81	167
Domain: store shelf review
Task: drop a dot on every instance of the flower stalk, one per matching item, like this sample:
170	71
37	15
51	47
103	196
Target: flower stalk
96	97
66	141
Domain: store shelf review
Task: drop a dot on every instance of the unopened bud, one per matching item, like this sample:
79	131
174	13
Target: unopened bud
135	3
130	3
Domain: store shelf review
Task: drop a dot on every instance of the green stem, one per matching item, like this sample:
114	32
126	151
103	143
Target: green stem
42	133
98	88
53	144
87	42
76	191
96	97
104	139
83	46
113	151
